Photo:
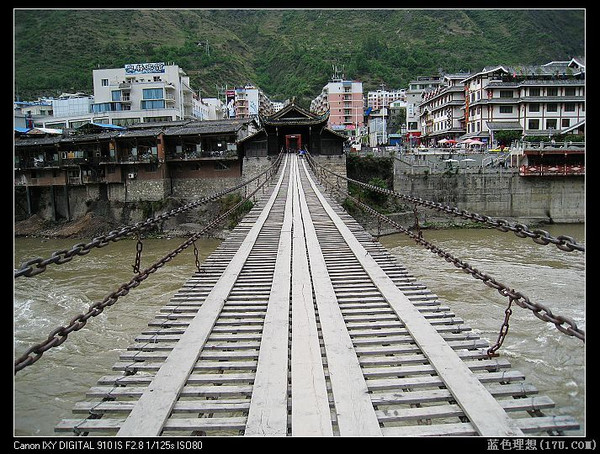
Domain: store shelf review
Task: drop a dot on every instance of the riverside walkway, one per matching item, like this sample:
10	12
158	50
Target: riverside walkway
300	324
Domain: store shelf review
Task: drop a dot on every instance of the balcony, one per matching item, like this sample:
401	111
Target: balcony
549	170
203	155
34	163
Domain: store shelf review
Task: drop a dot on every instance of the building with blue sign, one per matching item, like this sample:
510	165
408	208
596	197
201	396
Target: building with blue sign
143	92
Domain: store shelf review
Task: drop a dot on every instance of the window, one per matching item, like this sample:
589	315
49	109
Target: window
152	93
506	93
565	123
105	107
534	107
552	91
551	124
104	82
569	107
116	95
157	104
569	91
506	109
534	91
552	107
533	124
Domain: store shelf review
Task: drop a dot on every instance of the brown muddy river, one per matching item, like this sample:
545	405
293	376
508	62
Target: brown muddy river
46	392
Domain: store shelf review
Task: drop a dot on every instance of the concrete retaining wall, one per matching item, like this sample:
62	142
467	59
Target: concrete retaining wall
503	195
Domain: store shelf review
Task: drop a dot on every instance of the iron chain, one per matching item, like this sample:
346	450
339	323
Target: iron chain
539	310
59	335
38	265
563	242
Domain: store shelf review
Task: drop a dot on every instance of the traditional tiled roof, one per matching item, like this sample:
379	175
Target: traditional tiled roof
294	115
254	135
208	127
574	67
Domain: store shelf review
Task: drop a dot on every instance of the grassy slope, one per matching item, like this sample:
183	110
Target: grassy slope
285	52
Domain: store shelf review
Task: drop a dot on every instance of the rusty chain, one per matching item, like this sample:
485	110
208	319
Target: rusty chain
491	352
138	253
539	310
562	242
38	265
60	334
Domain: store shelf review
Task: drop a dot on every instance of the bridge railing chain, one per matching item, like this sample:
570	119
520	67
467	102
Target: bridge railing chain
60	334
38	265
563	242
564	324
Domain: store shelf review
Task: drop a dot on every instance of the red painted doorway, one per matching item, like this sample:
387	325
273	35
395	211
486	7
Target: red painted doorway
293	142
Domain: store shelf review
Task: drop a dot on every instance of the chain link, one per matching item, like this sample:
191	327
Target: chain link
59	335
38	265
491	352
563	242
565	325
196	258
138	253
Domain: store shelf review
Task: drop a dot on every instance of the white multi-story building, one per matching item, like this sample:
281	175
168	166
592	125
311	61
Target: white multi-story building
210	109
143	92
382	98
414	95
278	105
533	100
442	109
250	101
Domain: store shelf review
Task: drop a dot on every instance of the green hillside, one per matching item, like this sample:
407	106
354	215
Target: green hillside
285	52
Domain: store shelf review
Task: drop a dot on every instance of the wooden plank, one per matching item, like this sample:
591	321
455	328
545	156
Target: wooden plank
400	397
525	425
268	411
204	424
354	411
202	406
417	381
486	415
153	408
453	410
310	405
175	424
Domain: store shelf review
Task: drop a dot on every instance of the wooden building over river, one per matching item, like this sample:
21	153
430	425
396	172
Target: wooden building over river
59	174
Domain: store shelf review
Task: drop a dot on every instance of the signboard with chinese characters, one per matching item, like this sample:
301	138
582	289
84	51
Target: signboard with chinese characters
143	68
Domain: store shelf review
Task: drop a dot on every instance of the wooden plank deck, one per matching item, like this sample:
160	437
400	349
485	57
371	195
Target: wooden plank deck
301	324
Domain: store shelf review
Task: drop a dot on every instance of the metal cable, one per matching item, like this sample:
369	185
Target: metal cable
38	265
60	334
563	242
539	310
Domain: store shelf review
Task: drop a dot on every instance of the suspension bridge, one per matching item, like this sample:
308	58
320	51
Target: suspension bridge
301	324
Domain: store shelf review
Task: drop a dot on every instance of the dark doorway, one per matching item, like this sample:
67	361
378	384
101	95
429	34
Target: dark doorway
293	142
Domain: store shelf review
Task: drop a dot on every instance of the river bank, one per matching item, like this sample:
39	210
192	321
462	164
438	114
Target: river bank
92	225
100	220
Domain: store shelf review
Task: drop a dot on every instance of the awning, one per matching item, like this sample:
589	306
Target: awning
44	131
504	126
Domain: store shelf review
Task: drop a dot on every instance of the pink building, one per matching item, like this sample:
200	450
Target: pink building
345	103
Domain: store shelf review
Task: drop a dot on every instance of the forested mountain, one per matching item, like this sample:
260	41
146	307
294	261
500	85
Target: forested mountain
286	52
